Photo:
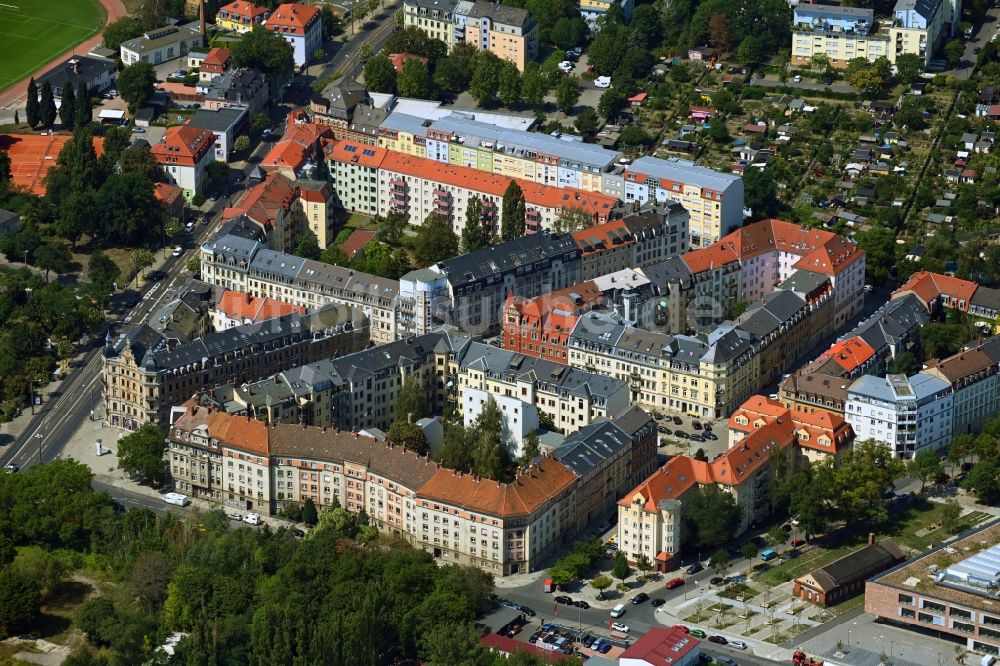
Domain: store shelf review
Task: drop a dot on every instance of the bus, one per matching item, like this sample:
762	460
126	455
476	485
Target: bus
176	498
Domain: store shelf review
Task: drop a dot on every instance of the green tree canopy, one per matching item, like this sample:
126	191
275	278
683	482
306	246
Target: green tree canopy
409	436
435	241
711	517
380	75
263	50
475	234
141	452
136	84
512	212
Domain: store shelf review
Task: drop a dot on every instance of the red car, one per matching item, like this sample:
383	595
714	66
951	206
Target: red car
675	583
798	542
681	627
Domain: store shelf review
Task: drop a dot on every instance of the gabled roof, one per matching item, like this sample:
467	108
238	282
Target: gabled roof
243	306
297	18
930	286
857	564
297	146
263	202
217	57
849	354
184	145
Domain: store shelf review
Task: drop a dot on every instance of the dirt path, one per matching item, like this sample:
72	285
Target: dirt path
12	97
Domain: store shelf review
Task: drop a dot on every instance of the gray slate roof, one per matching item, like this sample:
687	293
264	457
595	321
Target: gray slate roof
585	450
507	256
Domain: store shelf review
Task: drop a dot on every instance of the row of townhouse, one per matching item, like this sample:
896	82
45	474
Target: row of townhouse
939	292
651	515
144	372
713	199
706	376
508	32
245	265
844	33
503	527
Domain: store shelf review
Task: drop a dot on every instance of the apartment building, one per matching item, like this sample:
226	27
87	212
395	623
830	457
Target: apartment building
660	230
651	515
215	63
436	18
469	291
300	25
238	309
921	26
839	33
939	292
519	419
947	589
810	391
246	88
282	208
541	326
571	397
894	327
508	32
594	10
906	414
818	434
241	16
354	391
162	44
349	110
241	264
144	374
226	124
184	154
975	385
301	146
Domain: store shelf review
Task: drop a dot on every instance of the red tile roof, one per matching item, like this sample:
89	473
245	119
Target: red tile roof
32	155
930	286
242	306
262	202
521	497
849	354
296	147
400	59
217	57
813	424
661	646
244	9
356	241
183	145
603	237
579	298
167	194
294	16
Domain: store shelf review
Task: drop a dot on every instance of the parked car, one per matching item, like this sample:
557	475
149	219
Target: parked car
563	600
178	251
798	542
252	519
696	425
676	420
681	627
739	645
640	598
694	568
139	130
528	611
189	227
674	583
566	67
155	276
577	51
696	438
716	580
718	640
12	468
697	633
657	602
605	647
664	430
797	78
235	515
596	644
680	434
618	626
580	603
602	82
298	533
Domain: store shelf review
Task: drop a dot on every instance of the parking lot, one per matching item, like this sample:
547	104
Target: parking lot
712	437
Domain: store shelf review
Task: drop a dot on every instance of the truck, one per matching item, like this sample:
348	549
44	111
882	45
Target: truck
176	498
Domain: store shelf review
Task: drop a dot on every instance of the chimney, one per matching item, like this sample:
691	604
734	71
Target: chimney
201	21
871	538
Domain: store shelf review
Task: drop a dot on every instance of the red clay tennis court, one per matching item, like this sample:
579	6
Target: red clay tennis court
32	155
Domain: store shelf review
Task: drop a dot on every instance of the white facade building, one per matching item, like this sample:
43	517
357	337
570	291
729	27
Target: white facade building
520	418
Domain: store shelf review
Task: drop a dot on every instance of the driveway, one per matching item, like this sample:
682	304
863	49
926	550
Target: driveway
806	85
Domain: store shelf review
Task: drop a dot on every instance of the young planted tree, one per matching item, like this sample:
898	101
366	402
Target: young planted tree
601	583
621	569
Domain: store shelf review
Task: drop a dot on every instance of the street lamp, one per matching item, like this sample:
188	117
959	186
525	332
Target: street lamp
38	436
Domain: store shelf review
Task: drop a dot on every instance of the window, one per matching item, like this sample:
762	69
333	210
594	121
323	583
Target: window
906	599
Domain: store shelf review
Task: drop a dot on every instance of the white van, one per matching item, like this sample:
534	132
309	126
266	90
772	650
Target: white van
176	498
252	519
618	610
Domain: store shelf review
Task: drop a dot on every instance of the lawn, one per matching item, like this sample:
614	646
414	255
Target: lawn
34	32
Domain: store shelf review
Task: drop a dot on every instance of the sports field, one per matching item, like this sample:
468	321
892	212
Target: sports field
35	31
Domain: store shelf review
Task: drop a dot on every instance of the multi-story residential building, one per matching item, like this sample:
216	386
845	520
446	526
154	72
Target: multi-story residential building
605	248
144	375
839	33
906	414
469	291
241	16
713	199
650	516
609	458
985	307
352	392
436	18
300	25
594	10
162	44
571	397
282	208
215	63
818	434
541	326
975	383
301	146
938	292
519	418
244	265
894	327
227	124
184	154
955	595
807	390
921	26
348	109
660	231
852	358
238	309
241	87
98	74
508	32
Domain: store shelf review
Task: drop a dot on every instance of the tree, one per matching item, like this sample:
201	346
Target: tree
98	619
122	30
632	135
31	110
569	32
390	227
587	122
953	51
488	439
365	52
53	256
572	219
380	75
41	566
711	517
509	92
908	67
259	122
141	259
867	77
414	80
530	450
951	514
331	23
718	30
435	241
760	191
412	402
534	86
719	562
751	51
776	536
193	265
601	583
20	600
879	244
621	569
449	77
103	272
567	94
612	101
241	143
512	212
136	84
83	109
47	107
309	515
643	564
925	465
306	245
141	452
485	82
409	436
6	175
749	550
263	50
984	481
67	110
474	233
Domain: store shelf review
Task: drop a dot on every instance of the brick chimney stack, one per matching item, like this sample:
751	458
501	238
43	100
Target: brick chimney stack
201	23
